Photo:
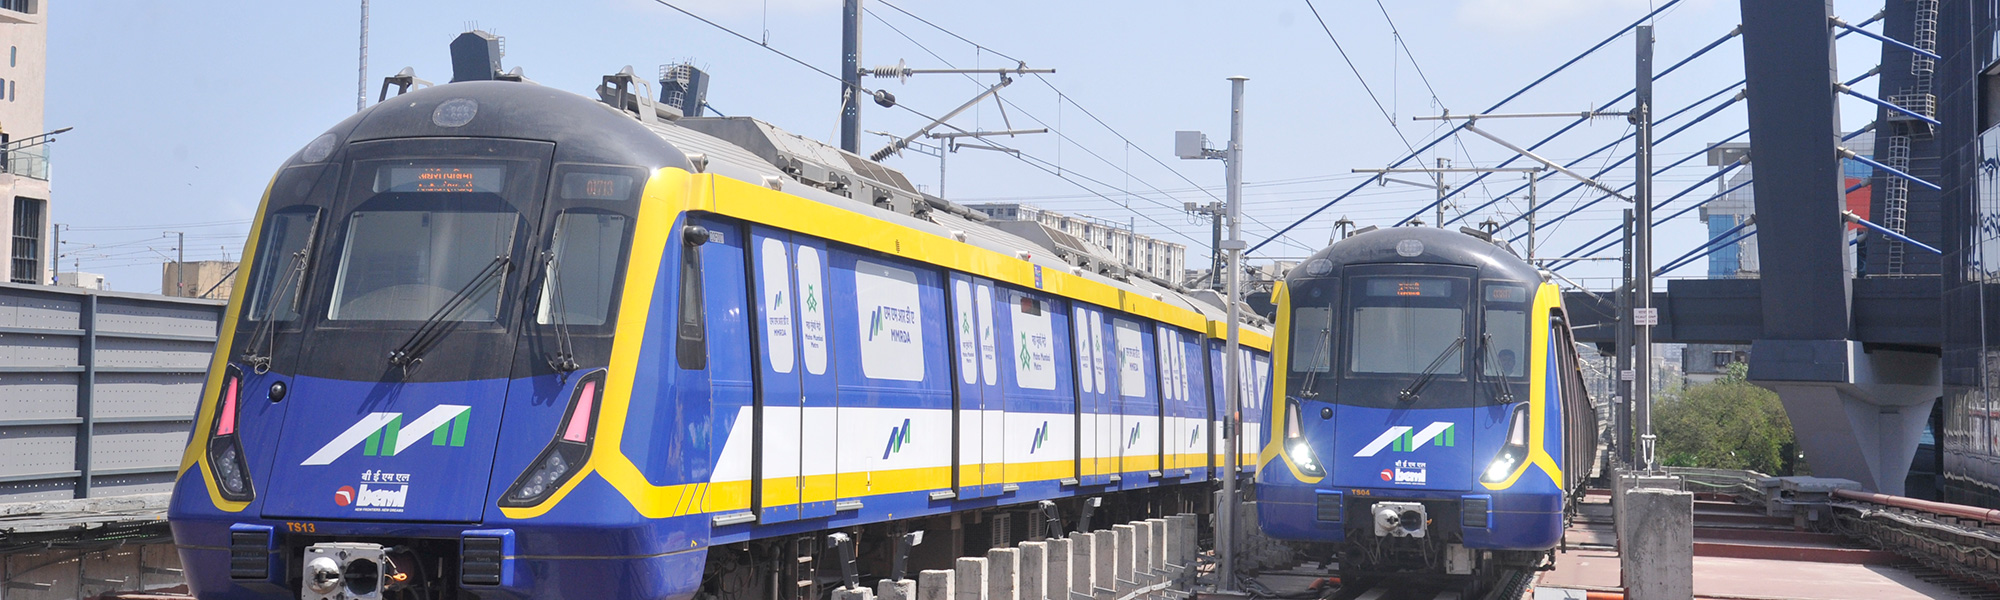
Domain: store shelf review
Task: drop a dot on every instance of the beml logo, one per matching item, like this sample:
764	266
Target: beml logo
344	496
1388	475
380	497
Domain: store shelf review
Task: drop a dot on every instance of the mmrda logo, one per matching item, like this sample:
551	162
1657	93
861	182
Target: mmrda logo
1041	435
386	435
890	314
897	437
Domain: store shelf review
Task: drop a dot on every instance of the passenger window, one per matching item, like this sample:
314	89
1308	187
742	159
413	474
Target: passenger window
693	331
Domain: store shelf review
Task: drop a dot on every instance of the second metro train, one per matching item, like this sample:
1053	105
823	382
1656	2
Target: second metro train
1429	411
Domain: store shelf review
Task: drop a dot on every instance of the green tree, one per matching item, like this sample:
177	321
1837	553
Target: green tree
1726	424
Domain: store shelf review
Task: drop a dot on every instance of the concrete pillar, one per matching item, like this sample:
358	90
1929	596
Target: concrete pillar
1142	552
1034	570
1104	557
971	579
1059	568
1126	548
1083	565
853	593
936	585
1180	540
1003	570
1624	483
1190	526
1159	548
905	589
1658	561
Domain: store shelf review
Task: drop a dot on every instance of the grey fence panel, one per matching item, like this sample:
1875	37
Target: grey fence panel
98	390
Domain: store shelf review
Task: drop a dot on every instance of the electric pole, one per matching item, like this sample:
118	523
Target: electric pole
1194	145
180	262
1643	315
1232	427
850	77
361	89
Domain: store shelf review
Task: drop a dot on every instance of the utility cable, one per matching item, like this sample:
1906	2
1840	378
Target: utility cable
1496	106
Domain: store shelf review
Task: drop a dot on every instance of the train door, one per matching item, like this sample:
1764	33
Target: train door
1035	385
978	460
1218	402
1170	398
1092	395
1138	402
796	403
1200	411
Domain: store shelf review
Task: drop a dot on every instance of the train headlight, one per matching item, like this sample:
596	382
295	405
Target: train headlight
225	450
1513	452
567	452
1296	446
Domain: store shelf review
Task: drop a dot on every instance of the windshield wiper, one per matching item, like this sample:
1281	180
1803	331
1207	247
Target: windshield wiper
411	353
264	338
1411	393
564	358
1501	392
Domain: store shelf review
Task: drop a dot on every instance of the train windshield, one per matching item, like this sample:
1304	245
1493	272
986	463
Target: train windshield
434	235
1407	326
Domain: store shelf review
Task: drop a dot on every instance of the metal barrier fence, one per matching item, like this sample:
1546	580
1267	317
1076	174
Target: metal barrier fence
97	389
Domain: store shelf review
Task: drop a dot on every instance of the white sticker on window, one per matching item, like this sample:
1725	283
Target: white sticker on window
1085	359
777	311
1097	362
989	365
968	341
891	332
1034	344
812	310
1164	356
1131	359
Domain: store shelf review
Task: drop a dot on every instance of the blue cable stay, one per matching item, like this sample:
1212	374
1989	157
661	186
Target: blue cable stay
1580	252
1845	153
1572	125
1608	168
1854	218
1571	164
1887	104
1455	129
1885	39
1713	245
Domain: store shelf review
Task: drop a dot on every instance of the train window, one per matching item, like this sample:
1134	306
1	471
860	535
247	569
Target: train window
1312	339
581	276
1505	319
692	350
406	265
1402	325
281	264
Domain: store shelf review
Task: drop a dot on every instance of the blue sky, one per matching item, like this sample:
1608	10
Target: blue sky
182	115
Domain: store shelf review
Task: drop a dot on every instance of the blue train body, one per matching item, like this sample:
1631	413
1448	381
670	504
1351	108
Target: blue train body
677	375
1430	406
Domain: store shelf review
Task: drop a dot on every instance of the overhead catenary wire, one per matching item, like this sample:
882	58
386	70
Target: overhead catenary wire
1496	106
1018	154
1065	98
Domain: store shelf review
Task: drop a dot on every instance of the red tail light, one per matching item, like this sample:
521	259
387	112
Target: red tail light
578	429
225	423
226	460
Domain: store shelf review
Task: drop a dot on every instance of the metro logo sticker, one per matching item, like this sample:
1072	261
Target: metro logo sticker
385	434
1400	439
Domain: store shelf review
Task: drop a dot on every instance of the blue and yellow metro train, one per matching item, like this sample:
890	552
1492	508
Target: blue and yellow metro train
1432	415
494	340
